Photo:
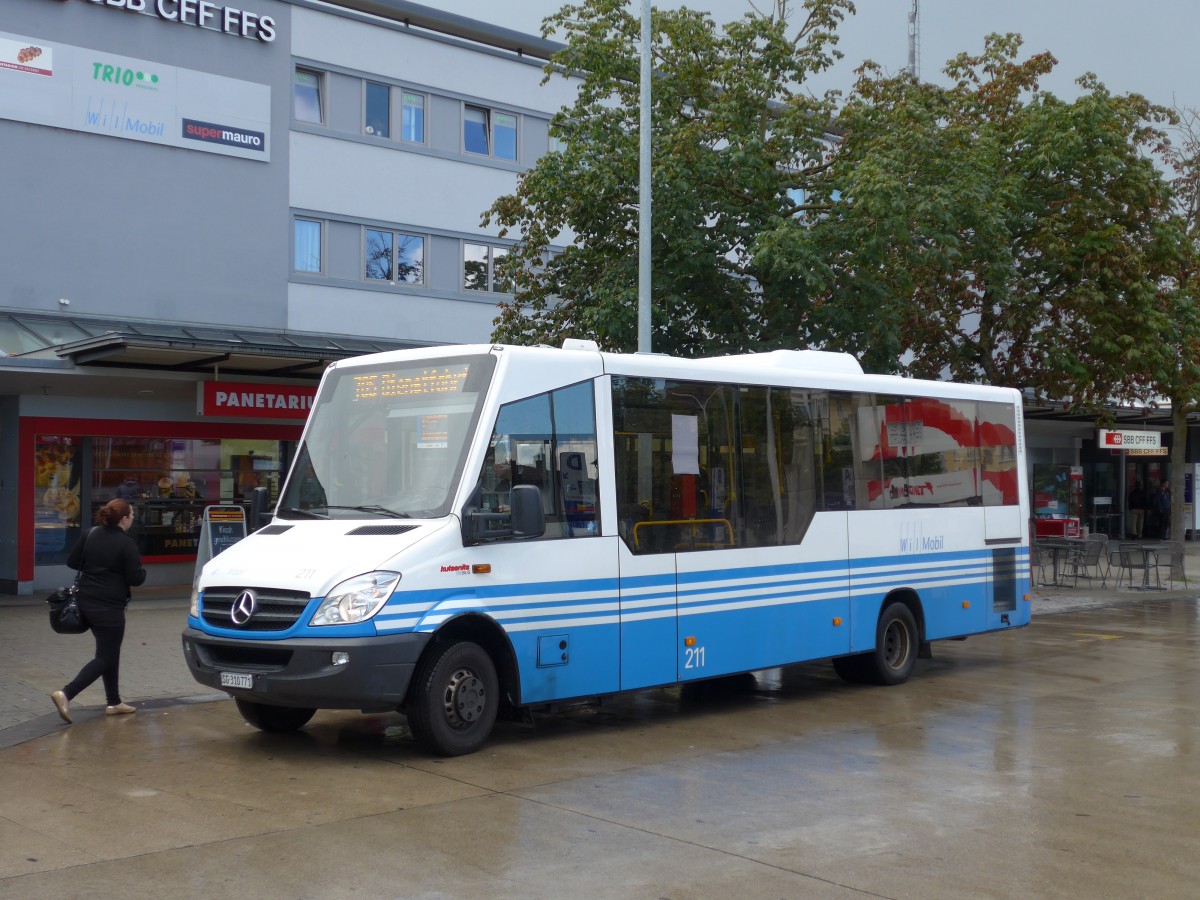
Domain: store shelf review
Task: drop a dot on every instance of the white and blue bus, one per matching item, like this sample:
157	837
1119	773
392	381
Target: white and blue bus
471	530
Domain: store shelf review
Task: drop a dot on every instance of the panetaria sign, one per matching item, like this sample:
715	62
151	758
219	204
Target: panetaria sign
254	401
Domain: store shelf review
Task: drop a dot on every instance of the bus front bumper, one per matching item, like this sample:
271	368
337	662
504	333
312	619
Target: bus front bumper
302	673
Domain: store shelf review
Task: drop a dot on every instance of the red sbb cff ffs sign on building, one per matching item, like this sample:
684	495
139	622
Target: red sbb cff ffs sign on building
254	401
1129	440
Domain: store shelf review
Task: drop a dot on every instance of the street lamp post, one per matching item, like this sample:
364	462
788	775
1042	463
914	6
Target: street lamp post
644	226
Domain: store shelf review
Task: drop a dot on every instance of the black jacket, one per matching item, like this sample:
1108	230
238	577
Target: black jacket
111	566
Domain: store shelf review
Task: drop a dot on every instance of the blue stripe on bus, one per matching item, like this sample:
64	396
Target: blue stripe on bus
940	579
746	586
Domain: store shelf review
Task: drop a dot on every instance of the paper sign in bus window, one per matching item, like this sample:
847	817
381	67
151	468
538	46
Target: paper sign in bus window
685	445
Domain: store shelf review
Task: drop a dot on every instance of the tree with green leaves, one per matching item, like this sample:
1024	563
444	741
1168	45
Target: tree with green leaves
990	231
736	145
1177	377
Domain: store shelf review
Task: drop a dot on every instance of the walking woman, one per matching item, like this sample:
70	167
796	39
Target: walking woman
110	565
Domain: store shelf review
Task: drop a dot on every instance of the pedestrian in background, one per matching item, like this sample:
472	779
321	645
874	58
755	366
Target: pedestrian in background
1135	506
1162	508
110	565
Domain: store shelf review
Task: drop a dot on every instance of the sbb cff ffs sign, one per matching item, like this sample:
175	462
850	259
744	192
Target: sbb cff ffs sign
1129	440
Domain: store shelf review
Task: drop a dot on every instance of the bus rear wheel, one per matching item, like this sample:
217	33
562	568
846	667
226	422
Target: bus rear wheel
454	700
895	653
275	719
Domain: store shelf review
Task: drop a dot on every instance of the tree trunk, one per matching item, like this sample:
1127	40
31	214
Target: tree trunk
1179	415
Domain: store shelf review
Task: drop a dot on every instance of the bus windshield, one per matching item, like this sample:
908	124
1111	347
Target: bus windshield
387	440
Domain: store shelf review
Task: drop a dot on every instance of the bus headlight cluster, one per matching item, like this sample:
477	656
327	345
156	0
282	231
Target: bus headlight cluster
356	599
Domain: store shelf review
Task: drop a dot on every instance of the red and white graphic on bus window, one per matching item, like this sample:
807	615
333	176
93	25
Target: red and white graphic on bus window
939	453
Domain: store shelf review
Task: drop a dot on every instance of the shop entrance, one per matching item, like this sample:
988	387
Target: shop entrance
1102	502
1149	475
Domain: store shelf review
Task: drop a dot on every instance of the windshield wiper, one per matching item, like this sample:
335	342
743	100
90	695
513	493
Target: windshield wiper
303	513
374	508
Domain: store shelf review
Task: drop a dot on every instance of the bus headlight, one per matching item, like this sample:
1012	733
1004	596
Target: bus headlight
194	608
356	599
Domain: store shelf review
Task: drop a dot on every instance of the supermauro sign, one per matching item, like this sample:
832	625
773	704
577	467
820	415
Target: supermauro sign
201	14
1129	440
255	401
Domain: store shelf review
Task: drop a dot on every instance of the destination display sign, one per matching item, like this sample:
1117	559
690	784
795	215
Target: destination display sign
421	382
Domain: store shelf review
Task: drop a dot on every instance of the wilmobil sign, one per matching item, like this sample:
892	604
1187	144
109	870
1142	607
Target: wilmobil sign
221	528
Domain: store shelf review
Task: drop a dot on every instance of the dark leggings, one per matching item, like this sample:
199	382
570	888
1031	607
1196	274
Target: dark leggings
106	665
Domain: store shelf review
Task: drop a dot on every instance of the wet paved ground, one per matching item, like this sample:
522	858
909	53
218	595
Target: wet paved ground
1061	760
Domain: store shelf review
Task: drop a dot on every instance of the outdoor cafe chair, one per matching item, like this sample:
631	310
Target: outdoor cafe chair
1114	562
1170	561
1103	564
1087	558
1037	564
1135	558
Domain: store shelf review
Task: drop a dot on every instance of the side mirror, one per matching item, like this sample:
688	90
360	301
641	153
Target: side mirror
525	519
528	519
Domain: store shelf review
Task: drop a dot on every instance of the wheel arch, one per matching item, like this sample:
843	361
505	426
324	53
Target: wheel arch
909	597
487	633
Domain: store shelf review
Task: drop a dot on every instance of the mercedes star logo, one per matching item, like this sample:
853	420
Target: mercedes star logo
243	608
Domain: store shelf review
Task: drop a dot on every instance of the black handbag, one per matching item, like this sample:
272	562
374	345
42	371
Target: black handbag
65	615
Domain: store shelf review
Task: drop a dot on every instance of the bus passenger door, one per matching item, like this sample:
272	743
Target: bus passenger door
649	638
555	597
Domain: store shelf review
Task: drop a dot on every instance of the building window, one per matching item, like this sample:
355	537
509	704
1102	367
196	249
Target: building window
307	250
307	97
500	282
412	117
378	117
395	256
490	133
480	262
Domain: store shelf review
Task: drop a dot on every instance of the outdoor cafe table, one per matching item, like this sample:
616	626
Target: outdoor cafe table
1061	548
1150	551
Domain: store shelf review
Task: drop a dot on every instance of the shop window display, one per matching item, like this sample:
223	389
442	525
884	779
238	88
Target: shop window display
168	481
57	504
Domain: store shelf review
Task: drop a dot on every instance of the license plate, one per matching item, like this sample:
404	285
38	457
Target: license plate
237	680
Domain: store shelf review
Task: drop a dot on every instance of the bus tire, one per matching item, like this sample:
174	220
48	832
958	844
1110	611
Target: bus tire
896	644
895	653
274	719
454	699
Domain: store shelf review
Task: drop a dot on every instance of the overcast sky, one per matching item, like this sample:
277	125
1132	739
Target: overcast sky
1147	47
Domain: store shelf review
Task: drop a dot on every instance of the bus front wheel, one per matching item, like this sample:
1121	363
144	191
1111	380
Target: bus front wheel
895	653
454	700
275	719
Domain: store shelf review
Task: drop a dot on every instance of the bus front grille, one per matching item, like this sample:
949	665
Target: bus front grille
273	610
